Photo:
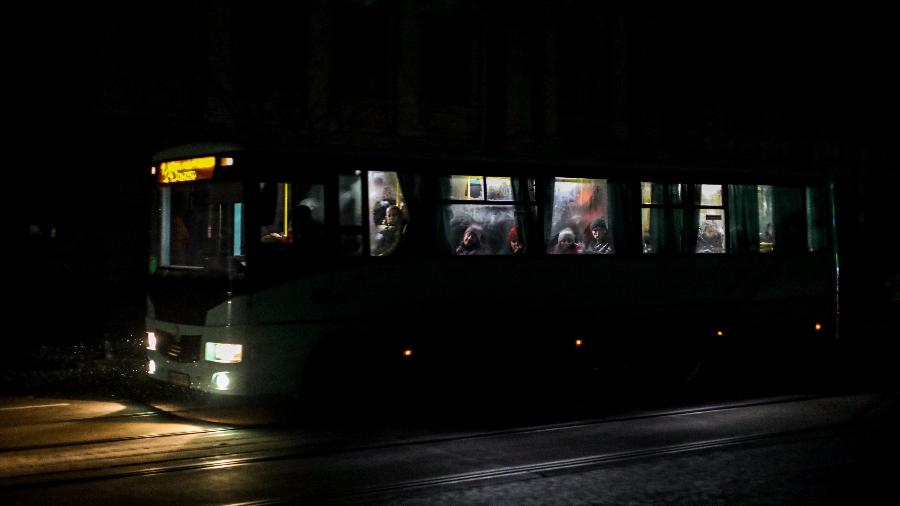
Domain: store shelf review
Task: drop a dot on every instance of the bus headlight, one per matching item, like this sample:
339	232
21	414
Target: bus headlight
151	367
221	380
224	353
151	340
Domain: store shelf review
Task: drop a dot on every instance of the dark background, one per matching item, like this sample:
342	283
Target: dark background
95	88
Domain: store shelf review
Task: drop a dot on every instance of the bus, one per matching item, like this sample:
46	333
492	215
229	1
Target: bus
277	271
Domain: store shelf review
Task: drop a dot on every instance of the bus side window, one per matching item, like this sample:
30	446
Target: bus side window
292	213
816	226
710	219
784	220
580	221
766	219
479	229
662	217
350	214
275	212
390	217
479	215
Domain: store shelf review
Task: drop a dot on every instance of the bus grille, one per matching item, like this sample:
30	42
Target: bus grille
179	348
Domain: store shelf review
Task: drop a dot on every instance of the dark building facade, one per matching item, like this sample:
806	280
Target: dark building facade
656	82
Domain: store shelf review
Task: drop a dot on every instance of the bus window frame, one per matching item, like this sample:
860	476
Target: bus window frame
443	202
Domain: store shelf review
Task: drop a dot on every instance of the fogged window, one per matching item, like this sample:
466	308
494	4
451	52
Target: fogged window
201	225
350	217
580	217
776	219
682	218
477	188
479	215
389	219
816	219
662	217
711	220
766	219
292	213
785	228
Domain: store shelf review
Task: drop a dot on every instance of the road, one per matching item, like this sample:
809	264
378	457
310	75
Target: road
805	449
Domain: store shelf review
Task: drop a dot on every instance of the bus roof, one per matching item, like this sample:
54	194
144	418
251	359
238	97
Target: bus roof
191	150
573	166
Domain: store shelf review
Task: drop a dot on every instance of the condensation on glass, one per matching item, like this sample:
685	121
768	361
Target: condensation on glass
350	213
475	188
792	219
479	214
765	211
816	219
390	216
711	220
580	217
662	216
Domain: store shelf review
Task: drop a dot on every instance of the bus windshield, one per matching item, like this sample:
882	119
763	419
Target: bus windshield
199	226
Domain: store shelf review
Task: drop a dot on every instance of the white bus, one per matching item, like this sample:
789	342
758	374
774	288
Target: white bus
297	271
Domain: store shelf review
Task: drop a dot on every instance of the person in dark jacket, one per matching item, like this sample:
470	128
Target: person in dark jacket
389	235
600	242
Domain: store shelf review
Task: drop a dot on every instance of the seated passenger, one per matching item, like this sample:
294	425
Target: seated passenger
648	244
600	243
767	240
304	232
566	244
472	241
388	237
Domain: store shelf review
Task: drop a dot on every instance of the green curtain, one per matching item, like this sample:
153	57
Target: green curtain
525	214
545	187
816	225
618	219
788	219
693	228
658	237
412	186
743	218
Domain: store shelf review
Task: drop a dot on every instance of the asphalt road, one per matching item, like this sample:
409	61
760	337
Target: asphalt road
794	450
85	425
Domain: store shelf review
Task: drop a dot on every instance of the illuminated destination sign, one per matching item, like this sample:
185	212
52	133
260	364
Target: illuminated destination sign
190	169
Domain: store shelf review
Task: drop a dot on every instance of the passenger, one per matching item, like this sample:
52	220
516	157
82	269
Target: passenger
769	234
304	232
566	244
379	213
648	243
767	239
600	243
710	239
516	246
181	242
472	241
388	237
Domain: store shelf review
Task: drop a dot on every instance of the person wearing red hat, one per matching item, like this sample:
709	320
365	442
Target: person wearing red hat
516	246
